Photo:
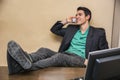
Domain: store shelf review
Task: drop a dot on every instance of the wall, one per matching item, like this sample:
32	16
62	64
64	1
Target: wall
28	21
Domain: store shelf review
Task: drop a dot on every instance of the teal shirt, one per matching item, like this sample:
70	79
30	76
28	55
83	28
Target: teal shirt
77	45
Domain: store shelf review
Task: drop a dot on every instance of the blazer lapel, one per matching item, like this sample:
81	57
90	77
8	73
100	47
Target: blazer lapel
71	34
89	40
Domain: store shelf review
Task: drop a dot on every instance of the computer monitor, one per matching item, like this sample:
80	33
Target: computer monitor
103	65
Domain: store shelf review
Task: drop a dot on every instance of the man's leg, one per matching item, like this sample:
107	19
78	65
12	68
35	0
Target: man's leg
16	52
25	60
59	59
42	53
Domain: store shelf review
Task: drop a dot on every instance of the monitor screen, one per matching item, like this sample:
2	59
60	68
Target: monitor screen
103	64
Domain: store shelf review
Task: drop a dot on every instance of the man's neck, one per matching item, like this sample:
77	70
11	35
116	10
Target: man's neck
84	27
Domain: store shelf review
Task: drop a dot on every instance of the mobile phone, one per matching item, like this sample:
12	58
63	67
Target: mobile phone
74	20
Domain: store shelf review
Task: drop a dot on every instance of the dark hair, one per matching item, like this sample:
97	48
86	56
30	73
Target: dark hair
86	11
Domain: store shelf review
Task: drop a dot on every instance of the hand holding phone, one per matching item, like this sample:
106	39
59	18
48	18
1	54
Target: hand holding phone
74	20
69	20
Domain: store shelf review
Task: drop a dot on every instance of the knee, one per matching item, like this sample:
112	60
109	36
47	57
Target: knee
42	49
58	55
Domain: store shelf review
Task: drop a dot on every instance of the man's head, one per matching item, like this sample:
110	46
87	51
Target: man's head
83	15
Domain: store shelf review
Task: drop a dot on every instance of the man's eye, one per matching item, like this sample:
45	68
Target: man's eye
79	14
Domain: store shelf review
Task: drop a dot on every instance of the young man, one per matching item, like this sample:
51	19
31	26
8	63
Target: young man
78	41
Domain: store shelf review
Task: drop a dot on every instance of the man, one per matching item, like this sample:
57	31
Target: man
78	40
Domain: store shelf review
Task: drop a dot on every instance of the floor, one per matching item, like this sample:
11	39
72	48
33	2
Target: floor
53	73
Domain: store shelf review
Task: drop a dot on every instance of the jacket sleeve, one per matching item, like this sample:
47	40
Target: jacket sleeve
58	29
103	44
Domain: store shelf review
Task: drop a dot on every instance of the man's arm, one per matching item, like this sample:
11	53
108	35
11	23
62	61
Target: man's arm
58	26
58	29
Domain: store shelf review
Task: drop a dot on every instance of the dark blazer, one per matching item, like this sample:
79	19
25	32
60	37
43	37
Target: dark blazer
96	38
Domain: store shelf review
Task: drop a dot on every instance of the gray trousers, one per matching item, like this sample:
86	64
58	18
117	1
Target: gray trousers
45	57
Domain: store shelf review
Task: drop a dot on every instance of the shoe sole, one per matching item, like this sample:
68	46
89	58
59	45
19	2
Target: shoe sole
13	66
16	53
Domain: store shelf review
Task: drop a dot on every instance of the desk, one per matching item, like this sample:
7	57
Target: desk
52	73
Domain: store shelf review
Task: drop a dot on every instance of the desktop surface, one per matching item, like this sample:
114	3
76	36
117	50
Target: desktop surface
52	73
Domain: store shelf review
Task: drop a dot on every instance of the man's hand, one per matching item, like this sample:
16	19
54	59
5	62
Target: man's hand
86	62
68	20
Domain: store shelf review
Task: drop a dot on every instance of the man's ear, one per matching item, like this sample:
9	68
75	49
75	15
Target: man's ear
88	17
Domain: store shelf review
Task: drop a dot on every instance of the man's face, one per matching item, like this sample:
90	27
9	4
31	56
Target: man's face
81	18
